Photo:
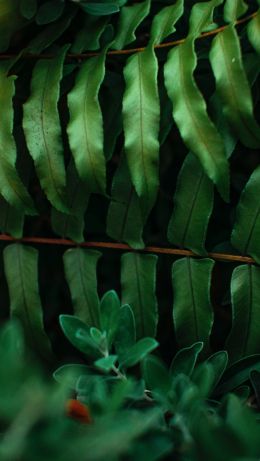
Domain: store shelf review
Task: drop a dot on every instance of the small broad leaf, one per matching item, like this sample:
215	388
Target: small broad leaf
138	276
204	378
100	9
42	129
125	220
219	362
231	83
110	314
185	360
49	11
137	352
164	21
80	270
28	8
192	207
141	117
192	310
78	333
244	338
130	18
190	114
238	373
21	270
125	334
155	374
233	9
106	363
253	32
85	128
245	234
69	374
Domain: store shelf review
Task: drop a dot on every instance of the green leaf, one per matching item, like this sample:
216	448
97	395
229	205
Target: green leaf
245	234
219	362
70	373
78	333
88	38
164	22
233	9
106	363
49	12
112	113
190	114
238	373
85	128
110	314
245	291
138	276
192	207
130	18
233	87
137	352
80	271
255	381
185	360
253	32
100	9
126	333
141	116
11	186
156	375
72	225
21	271
10	21
11	219
28	8
201	17
42	128
192	310
125	220
204	378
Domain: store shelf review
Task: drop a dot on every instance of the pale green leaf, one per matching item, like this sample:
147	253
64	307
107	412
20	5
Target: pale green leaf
21	270
192	207
11	186
110	315
88	38
245	291
80	271
137	352
42	128
141	116
201	17
164	21
125	221
85	128
185	359
233	87
190	114
130	18
138	276
253	32
246	231
233	9
192	309
72	224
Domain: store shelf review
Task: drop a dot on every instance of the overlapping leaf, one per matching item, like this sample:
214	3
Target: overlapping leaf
80	271
138	273
233	9
246	231
21	270
192	310
253	31
42	129
245	290
130	18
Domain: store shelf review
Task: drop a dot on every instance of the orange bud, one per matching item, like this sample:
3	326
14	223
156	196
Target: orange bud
78	411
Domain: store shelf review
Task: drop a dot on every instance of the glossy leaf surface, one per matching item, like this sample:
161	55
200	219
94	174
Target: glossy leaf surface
129	20
233	9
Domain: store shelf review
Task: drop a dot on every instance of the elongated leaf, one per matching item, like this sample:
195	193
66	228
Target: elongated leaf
138	272
164	21
190	115
245	235
219	362
85	129
42	129
11	219
233	9
155	374
253	32
110	314
192	207
80	271
100	9
201	17
255	381
245	290
89	36
185	360
126	332
233	88
21	270
49	11
141	113
10	21
72	225
192	310
238	373
11	186
125	221
130	18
